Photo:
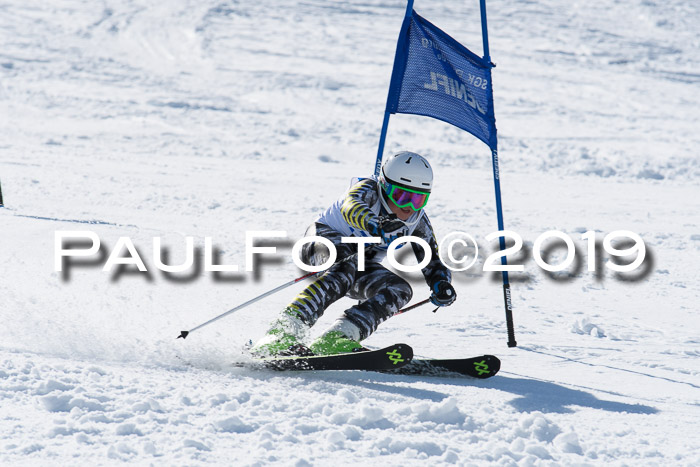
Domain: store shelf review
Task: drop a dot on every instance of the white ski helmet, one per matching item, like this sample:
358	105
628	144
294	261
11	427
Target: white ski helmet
408	170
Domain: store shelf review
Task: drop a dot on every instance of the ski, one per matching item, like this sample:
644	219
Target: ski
394	356
482	367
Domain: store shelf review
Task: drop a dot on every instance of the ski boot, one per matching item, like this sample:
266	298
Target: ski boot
342	337
284	336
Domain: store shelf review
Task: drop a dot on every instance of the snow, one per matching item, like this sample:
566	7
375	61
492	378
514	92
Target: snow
167	119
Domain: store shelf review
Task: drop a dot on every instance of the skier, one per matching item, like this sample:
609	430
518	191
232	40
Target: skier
388	207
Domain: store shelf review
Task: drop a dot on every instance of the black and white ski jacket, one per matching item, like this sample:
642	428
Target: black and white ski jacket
351	213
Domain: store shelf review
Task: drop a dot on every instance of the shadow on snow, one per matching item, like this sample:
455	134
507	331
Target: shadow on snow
546	396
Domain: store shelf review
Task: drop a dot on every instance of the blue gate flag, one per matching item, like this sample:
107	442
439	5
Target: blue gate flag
436	76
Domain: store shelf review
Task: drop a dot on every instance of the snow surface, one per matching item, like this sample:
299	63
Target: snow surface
208	118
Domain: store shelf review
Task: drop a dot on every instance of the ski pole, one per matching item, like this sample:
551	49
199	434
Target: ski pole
184	334
415	305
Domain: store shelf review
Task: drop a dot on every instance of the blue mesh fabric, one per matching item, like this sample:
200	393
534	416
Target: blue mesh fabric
436	76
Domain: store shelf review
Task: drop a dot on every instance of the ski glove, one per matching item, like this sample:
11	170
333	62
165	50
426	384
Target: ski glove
443	294
389	228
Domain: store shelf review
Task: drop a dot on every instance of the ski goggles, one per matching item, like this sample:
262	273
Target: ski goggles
403	197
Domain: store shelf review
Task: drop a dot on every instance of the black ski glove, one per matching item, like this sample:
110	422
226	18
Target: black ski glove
443	294
389	228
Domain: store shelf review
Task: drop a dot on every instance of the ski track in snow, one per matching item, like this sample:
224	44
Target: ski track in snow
141	119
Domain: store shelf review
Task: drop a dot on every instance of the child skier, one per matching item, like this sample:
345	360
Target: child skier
388	207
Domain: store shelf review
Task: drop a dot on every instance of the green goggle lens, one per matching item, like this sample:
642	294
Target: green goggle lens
403	197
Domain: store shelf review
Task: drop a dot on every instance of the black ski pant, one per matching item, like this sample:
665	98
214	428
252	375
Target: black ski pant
381	292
